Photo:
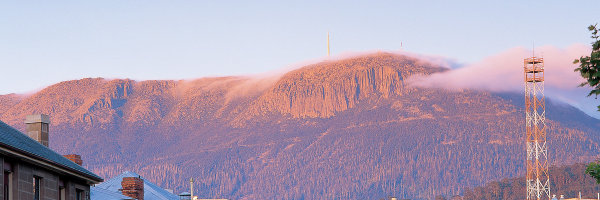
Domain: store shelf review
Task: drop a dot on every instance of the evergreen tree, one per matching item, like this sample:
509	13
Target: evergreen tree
589	66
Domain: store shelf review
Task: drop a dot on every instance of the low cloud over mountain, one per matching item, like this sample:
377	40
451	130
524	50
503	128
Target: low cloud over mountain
349	128
503	72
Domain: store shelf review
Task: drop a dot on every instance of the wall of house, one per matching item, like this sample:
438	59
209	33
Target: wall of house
2	177
22	179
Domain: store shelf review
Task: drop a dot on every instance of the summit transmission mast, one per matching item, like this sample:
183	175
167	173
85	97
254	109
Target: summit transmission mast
538	177
328	50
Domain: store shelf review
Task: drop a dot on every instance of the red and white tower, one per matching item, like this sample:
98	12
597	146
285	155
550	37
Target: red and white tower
538	177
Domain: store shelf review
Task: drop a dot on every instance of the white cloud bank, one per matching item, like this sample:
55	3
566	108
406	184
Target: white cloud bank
503	72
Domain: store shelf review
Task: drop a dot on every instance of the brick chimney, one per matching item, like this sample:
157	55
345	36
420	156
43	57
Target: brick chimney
133	187
75	158
38	127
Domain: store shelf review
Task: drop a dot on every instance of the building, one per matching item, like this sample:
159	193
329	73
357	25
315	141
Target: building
132	185
31	170
562	197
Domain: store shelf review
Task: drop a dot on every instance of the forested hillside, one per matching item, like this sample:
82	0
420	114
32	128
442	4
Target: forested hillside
565	180
350	128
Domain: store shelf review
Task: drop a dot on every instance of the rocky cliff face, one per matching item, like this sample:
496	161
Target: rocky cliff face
347	128
323	89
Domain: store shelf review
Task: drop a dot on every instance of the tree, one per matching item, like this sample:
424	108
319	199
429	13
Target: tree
589	69
593	169
589	65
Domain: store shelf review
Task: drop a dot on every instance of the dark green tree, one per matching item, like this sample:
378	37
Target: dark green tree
589	65
593	169
589	69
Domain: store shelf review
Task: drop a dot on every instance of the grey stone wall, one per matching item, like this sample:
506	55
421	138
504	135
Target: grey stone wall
2	177
23	174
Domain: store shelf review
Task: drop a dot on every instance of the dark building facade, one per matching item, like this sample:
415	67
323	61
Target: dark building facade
31	170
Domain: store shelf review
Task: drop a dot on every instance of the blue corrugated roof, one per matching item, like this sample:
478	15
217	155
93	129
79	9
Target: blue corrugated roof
13	138
151	191
97	193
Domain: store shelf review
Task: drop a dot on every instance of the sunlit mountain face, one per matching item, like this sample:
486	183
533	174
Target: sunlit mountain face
350	128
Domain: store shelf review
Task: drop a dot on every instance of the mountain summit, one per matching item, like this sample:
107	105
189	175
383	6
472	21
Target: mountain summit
349	128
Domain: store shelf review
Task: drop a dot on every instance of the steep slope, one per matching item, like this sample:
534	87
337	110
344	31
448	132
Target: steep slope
337	129
9	100
323	89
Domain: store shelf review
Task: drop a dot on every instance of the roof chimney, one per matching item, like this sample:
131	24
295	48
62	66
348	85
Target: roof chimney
75	158
133	187
38	127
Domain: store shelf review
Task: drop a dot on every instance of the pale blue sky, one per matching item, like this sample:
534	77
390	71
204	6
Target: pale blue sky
45	42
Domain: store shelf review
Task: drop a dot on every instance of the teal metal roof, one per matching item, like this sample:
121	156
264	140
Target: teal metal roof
15	140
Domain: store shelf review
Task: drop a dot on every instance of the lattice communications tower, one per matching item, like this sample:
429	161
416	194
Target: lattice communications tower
538	178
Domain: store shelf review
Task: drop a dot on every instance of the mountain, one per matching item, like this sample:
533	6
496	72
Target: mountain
350	128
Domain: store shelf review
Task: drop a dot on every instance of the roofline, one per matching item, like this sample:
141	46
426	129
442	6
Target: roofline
49	164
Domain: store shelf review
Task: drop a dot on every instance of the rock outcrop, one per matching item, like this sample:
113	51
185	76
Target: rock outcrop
322	89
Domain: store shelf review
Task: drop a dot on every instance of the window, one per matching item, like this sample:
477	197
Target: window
8	179
62	192
36	187
7	183
79	194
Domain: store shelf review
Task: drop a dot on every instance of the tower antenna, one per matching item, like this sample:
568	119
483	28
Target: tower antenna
533	49
328	50
191	188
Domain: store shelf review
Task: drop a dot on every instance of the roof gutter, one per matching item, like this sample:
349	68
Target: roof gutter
51	165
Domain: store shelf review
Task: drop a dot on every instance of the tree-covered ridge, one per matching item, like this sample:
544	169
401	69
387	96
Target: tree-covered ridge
566	180
346	129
